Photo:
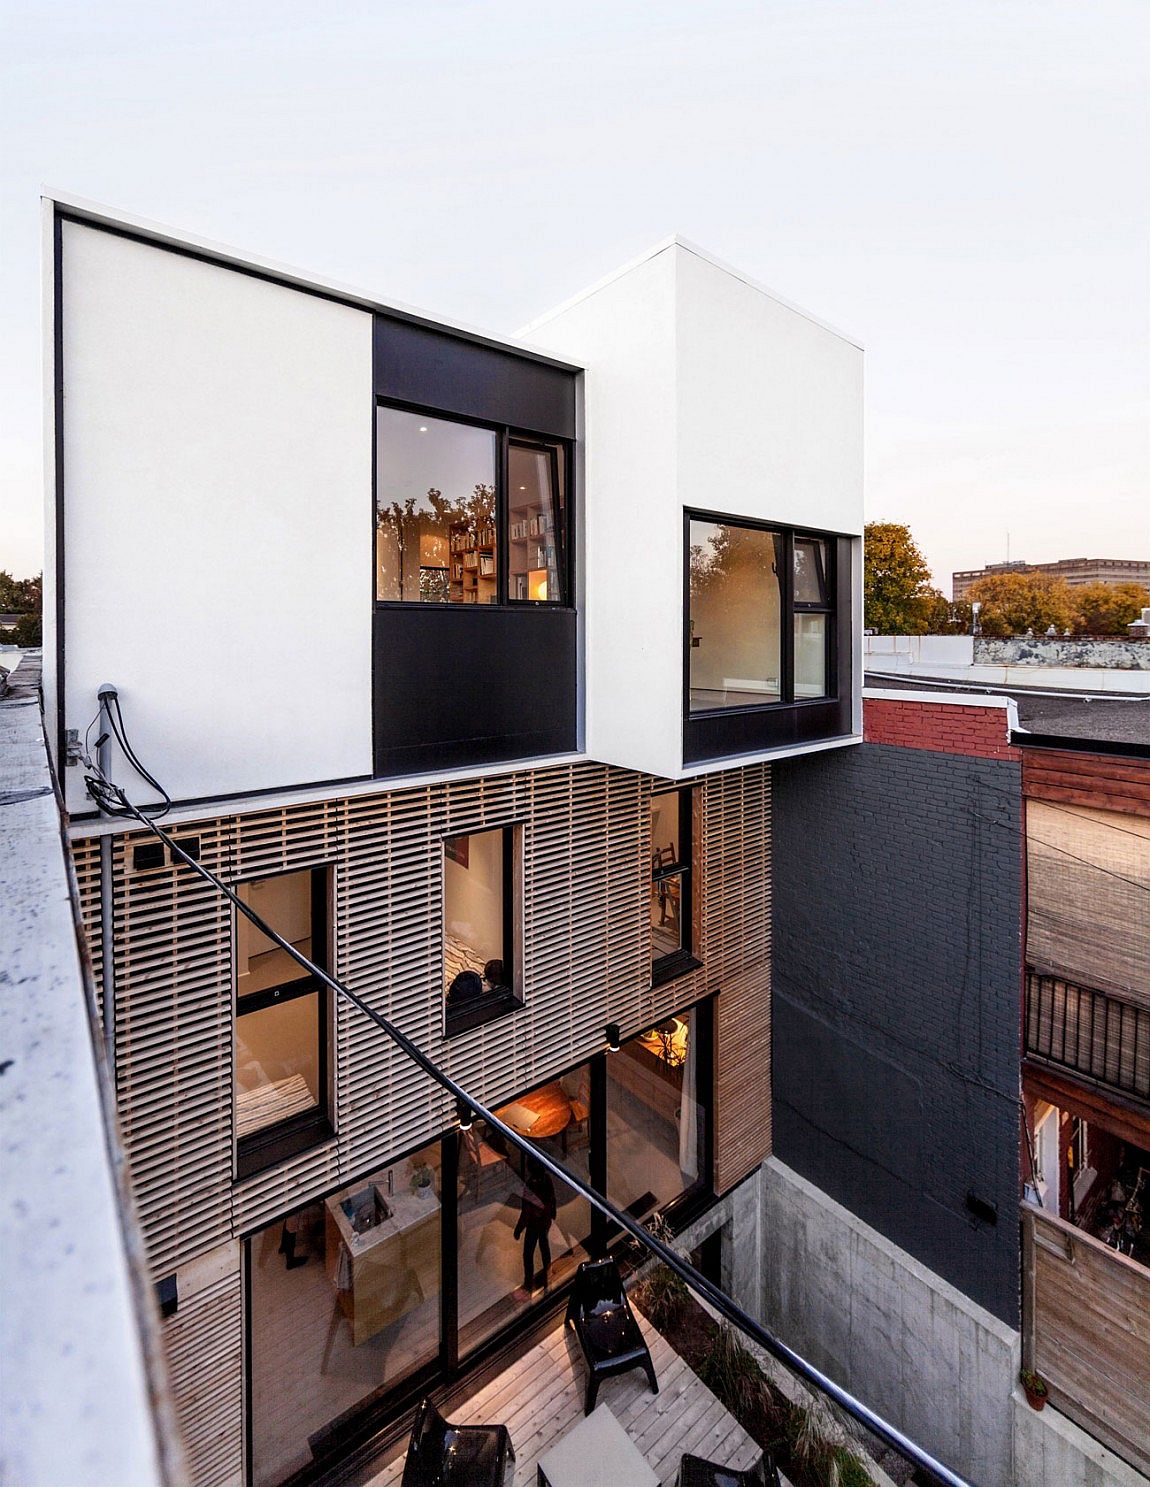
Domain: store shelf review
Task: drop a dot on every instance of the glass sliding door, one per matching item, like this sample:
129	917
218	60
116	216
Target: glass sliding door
657	1114
345	1303
520	1233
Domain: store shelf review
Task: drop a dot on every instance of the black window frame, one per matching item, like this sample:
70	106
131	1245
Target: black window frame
492	1008
678	962
506	435
789	608
273	1144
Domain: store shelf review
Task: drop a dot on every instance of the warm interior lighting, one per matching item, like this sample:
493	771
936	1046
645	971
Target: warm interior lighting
537	583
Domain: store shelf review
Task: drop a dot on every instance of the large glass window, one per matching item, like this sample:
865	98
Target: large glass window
445	525
479	927
657	1114
761	616
436	520
344	1304
521	1233
735	615
280	1024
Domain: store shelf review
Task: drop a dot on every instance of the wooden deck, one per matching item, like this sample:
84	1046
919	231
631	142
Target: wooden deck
540	1397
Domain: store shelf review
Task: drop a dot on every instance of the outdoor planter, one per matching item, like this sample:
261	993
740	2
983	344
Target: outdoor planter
1036	1390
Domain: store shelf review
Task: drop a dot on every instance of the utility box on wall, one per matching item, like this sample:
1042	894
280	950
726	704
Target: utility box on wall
706	395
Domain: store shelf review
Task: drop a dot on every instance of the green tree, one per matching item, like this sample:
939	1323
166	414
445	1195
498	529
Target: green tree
28	630
20	595
1107	608
896	580
1013	603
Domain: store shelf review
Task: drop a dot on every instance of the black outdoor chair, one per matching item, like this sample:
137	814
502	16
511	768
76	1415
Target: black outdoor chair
444	1455
695	1472
608	1332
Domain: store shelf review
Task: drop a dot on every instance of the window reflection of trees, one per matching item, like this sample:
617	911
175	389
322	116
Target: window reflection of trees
408	520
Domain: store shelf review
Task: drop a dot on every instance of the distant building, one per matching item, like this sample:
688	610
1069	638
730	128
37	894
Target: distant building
1076	571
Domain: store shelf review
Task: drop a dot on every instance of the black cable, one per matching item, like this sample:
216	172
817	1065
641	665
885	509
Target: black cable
119	728
699	1283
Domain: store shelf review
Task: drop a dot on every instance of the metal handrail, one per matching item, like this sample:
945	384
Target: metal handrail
698	1282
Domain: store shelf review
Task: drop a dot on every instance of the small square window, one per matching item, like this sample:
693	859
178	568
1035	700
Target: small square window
479	928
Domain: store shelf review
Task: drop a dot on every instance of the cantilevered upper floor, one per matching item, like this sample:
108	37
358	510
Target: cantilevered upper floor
316	539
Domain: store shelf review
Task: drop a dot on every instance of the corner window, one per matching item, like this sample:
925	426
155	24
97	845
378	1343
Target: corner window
479	938
451	529
671	875
280	1022
760	619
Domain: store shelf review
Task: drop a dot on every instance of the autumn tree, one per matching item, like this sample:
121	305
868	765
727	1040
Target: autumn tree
943	616
896	581
1013	603
1107	608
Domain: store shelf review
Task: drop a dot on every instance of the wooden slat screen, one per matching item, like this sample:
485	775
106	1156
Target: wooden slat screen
204	1346
1088	877
1087	1331
586	950
737	919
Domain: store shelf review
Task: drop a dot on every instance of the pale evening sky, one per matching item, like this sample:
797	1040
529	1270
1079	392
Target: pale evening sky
963	187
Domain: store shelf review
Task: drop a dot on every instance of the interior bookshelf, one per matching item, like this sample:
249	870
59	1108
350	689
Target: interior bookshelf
473	578
531	554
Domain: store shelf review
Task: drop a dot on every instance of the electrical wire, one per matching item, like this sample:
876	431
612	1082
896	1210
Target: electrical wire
105	792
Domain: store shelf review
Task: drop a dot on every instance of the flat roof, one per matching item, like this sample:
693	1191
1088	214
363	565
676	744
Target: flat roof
1055	714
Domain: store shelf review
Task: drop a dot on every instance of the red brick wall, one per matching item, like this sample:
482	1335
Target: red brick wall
945	728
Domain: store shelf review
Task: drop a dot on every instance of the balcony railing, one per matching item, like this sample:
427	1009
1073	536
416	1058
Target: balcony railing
1097	1036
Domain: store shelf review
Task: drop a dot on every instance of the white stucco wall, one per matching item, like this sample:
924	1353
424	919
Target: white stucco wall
217	505
701	390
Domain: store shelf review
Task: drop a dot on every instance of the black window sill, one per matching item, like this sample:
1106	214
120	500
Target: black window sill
671	967
264	1149
480	1012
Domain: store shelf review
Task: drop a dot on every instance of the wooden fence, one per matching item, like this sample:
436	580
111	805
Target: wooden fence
1086	1330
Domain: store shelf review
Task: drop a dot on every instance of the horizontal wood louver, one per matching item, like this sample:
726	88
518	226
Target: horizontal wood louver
1088	880
584	885
738	940
204	1346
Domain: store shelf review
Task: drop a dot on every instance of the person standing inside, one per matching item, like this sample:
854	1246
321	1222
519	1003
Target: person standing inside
536	1215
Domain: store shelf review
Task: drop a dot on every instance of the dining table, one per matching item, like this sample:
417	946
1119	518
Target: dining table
542	1113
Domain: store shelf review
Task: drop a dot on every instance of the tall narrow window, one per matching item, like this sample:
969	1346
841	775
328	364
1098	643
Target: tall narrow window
671	911
478	927
280	1027
536	522
436	524
812	605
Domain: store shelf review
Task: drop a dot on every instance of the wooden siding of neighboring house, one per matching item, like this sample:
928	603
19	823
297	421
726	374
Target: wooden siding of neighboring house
1086	1321
586	962
1105	782
1088	881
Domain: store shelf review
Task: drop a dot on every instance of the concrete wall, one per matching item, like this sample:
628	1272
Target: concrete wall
1117	654
897	906
900	1338
1051	1451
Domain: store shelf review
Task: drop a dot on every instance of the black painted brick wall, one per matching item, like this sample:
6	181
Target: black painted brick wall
897	886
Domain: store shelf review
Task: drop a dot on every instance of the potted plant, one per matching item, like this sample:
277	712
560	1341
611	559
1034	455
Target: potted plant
1035	1386
421	1180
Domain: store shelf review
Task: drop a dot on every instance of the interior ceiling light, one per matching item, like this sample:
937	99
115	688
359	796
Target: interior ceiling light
423	428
